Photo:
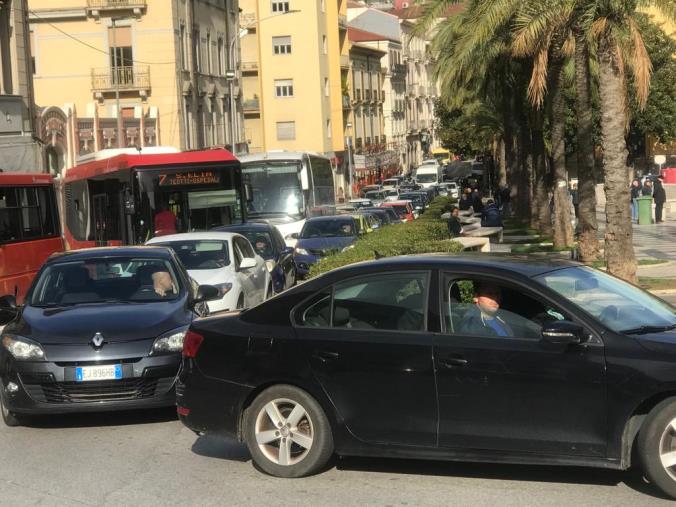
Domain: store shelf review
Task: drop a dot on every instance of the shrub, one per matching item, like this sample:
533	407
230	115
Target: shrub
428	235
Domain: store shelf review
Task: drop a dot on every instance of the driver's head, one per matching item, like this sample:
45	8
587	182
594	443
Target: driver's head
346	228
261	243
162	280
487	297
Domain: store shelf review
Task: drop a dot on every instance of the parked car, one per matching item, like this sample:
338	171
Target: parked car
100	329
404	209
268	242
419	200
554	363
375	196
369	188
452	189
391	183
391	193
322	236
224	260
360	203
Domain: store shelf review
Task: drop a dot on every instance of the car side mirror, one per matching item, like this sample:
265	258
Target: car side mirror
8	309
287	250
247	263
563	332
206	293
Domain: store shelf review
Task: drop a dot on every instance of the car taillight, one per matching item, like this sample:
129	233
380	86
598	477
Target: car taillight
191	343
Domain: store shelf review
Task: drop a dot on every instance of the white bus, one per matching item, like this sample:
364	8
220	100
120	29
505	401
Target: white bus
287	187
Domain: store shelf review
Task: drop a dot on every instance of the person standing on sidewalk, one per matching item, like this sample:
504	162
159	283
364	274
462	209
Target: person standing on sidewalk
635	194
647	190
660	197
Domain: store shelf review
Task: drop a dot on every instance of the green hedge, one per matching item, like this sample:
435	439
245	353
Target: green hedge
426	235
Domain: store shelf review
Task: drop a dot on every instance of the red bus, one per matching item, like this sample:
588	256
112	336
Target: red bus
29	229
114	201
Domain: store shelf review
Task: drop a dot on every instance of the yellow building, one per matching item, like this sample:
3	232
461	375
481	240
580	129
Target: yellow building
295	60
165	63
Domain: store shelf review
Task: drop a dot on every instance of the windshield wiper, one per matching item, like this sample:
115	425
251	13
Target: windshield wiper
648	329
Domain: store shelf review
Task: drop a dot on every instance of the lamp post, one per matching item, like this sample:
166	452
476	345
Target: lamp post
348	141
231	74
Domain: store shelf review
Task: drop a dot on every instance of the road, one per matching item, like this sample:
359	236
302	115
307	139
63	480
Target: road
151	459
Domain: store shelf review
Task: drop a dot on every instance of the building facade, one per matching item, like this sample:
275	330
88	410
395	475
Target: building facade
295	60
139	73
19	146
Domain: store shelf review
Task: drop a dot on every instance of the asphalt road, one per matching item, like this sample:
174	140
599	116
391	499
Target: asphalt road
147	459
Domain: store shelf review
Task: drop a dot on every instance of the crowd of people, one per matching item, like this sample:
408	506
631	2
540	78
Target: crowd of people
650	187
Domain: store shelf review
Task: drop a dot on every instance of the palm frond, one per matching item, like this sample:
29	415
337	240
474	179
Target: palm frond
640	64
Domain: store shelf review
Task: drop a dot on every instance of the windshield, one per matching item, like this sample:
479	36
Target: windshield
618	304
275	187
411	197
201	254
107	280
328	229
261	243
426	177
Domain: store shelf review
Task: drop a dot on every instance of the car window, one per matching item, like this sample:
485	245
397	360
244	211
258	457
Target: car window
477	307
316	313
245	247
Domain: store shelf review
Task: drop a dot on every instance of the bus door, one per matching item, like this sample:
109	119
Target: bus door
99	201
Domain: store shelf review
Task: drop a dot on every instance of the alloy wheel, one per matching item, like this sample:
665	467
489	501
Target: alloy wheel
284	431
668	449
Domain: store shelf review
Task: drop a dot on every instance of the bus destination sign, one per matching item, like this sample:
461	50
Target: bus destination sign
190	178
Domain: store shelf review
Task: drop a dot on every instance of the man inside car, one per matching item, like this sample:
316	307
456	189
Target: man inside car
163	284
485	318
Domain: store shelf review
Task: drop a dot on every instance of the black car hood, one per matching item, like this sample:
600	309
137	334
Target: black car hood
664	342
116	322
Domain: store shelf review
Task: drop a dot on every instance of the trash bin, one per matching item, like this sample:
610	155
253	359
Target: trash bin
645	210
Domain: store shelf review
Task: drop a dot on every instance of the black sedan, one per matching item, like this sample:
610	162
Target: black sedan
476	358
269	244
101	329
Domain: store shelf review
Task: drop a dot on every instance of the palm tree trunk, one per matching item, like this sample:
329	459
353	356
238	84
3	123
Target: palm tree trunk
540	218
588	242
563	229
619	247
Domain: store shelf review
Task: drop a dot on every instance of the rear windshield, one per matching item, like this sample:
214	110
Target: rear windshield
201	254
106	280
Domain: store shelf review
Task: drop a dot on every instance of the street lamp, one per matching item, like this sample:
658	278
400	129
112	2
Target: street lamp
231	74
348	141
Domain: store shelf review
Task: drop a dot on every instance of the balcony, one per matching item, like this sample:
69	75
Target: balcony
398	68
251	105
98	8
249	66
342	21
124	79
346	102
357	96
367	95
344	61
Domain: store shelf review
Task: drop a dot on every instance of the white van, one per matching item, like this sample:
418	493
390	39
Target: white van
429	175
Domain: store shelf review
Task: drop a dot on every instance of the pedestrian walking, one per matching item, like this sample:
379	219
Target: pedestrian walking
490	216
635	194
506	198
660	197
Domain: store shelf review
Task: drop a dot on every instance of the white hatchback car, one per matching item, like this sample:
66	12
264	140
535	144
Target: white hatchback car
225	260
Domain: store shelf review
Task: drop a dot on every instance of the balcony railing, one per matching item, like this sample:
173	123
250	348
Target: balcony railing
249	66
357	95
251	105
96	7
122	78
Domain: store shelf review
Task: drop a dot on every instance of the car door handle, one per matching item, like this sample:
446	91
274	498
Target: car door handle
453	362
325	355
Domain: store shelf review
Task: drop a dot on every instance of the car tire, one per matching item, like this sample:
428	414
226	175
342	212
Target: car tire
9	418
298	447
657	446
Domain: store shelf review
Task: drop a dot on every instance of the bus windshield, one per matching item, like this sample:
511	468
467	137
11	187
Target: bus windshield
275	187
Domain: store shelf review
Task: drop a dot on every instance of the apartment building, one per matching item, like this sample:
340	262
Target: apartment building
19	149
135	73
295	63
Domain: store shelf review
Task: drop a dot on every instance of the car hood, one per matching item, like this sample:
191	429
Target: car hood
211	276
333	243
116	322
663	343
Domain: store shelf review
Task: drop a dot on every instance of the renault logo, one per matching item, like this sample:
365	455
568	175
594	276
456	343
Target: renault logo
98	341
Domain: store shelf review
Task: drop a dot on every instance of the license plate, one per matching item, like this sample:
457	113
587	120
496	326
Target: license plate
107	372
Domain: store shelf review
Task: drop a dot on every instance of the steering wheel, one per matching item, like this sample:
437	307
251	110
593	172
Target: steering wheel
610	314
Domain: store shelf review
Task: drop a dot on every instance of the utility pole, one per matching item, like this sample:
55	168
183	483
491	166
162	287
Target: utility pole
348	126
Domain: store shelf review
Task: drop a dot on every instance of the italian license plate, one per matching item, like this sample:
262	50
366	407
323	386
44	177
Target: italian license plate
107	372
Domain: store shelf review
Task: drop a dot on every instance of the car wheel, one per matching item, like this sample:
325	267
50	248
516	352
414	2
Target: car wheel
10	418
657	446
287	433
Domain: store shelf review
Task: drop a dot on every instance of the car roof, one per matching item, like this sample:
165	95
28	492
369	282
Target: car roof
84	254
396	203
526	265
327	218
247	226
193	236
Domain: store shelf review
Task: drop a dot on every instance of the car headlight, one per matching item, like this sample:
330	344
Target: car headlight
270	264
301	251
223	288
169	342
22	348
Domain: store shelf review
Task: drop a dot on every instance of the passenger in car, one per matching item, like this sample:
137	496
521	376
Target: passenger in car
485	317
163	284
